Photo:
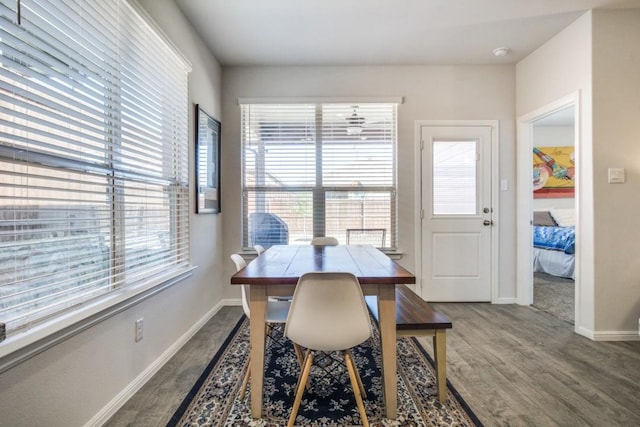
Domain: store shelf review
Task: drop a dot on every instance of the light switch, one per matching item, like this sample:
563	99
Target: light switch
504	185
616	175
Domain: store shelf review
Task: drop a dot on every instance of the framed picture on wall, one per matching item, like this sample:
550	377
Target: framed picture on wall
553	172
207	168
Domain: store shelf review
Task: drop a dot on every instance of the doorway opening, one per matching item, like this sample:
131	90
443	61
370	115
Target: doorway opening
547	162
553	203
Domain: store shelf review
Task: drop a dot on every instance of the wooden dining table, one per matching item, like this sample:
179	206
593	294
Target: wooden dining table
276	272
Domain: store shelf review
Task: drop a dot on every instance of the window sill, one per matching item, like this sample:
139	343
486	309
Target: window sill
249	254
24	345
392	253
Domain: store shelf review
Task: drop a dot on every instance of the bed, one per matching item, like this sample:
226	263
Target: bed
554	242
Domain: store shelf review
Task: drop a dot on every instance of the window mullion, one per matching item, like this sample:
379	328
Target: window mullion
117	232
260	154
113	140
319	204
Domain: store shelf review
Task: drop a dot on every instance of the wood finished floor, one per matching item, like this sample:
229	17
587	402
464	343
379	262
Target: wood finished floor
514	366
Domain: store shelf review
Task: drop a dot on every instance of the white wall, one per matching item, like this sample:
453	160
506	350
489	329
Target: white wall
561	67
430	93
72	382
616	143
598	56
553	136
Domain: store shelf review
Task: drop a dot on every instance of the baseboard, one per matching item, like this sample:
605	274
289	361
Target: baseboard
505	301
616	336
608	335
121	398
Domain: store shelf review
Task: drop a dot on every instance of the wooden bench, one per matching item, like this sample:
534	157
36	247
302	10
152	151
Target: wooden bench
416	318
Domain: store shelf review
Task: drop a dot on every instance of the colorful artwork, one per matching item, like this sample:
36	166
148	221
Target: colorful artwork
553	172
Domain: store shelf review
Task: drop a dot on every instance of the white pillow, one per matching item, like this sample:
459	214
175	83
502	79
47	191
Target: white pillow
564	217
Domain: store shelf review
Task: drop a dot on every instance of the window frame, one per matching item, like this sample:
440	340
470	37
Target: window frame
318	192
22	343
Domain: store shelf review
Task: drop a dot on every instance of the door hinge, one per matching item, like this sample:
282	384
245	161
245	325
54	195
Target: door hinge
421	145
421	213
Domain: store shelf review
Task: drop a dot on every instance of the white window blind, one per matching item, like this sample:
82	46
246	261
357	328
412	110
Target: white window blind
93	156
318	169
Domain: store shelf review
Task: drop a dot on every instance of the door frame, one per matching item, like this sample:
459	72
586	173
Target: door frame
524	212
495	137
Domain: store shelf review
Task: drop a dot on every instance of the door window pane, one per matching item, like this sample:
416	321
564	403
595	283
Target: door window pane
454	178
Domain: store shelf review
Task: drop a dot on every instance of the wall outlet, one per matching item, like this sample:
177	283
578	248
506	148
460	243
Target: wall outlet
139	329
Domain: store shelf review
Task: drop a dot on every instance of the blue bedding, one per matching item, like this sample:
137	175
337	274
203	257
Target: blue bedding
555	238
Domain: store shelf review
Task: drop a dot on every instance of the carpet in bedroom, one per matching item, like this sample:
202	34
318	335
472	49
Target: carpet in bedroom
555	295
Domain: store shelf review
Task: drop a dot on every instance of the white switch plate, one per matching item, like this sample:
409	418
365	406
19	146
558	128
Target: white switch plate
504	185
616	175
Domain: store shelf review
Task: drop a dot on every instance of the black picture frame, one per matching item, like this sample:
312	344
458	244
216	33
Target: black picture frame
207	166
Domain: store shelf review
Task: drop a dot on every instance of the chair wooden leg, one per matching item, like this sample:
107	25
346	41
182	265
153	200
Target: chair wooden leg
268	331
304	375
360	385
245	381
299	355
353	375
247	375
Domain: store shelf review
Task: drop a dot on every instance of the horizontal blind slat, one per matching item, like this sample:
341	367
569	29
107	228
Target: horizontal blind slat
318	168
94	192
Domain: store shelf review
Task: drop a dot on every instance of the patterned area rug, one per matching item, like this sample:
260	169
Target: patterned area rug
214	399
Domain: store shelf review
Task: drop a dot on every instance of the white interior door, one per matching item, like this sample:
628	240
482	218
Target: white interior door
457	213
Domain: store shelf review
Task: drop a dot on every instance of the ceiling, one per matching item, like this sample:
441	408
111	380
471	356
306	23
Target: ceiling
564	117
380	32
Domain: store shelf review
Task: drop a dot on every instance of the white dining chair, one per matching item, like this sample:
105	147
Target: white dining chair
328	313
324	241
276	313
259	249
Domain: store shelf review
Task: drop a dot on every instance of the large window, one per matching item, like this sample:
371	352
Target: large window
93	157
319	169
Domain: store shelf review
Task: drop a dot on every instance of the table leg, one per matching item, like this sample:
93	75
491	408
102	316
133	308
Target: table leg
257	307
387	324
440	356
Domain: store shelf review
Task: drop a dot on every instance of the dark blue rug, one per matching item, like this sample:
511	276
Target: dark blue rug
214	400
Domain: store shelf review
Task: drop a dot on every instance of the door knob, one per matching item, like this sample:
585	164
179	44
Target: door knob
487	222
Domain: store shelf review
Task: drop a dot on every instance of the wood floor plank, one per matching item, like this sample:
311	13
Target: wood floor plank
155	403
514	366
542	373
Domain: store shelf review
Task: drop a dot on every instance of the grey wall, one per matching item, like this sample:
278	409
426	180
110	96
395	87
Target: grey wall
83	378
430	93
616	144
559	68
597	57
